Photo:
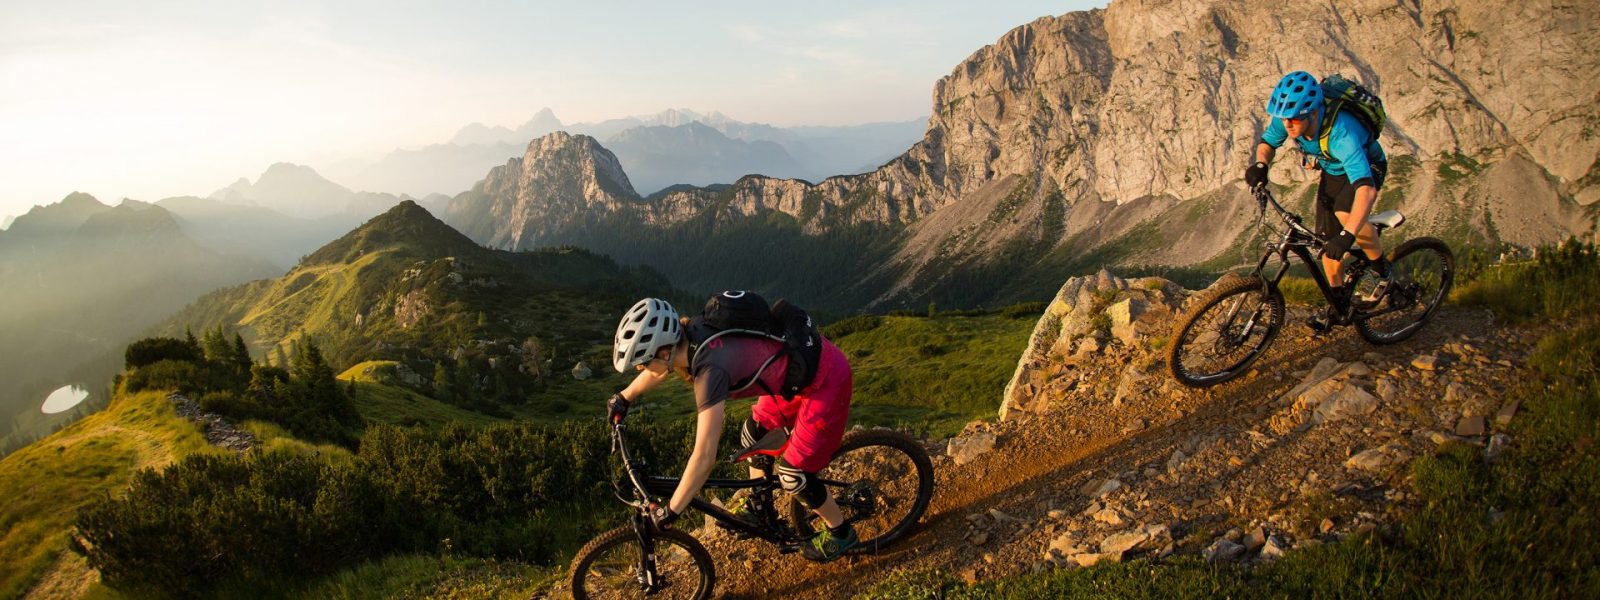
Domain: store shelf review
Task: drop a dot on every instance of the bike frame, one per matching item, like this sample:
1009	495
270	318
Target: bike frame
646	486
1300	241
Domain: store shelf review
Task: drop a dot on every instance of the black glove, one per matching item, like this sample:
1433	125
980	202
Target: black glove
617	407
661	515
1339	245
1256	175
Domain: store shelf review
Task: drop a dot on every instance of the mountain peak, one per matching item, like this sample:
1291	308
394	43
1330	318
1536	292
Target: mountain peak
131	218
292	189
81	200
408	227
60	217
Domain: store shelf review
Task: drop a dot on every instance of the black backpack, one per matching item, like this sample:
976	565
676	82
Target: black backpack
740	312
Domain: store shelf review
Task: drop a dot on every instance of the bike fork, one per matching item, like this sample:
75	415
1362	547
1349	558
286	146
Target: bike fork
649	580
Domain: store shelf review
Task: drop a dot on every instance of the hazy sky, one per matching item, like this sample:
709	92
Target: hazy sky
156	99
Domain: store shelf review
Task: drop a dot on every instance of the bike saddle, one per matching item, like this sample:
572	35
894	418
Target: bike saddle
771	444
1387	219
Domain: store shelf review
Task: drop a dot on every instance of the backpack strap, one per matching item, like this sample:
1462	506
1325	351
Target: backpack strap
754	379
1330	113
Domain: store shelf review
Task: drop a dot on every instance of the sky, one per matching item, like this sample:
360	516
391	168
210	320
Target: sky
154	99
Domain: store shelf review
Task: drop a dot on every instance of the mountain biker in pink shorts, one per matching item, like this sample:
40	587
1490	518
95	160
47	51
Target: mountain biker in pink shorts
654	340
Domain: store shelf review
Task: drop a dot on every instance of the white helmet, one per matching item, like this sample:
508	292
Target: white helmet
649	326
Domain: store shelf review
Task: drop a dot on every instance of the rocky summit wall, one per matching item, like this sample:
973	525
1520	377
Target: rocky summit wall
1120	135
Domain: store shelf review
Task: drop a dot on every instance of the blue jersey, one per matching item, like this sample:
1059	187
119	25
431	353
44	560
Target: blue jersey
1353	147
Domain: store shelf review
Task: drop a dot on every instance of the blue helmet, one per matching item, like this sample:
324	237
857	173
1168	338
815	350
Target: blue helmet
1298	93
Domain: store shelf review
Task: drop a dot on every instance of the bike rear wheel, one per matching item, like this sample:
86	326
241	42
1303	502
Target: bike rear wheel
1421	271
1229	326
609	567
888	483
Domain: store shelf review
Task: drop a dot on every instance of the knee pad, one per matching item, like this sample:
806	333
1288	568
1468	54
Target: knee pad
751	434
802	484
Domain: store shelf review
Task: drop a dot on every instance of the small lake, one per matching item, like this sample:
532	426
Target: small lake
63	399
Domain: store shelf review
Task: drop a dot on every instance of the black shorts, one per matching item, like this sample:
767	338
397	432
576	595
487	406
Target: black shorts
1335	194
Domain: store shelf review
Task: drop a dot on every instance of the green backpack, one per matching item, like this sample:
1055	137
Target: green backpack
1340	94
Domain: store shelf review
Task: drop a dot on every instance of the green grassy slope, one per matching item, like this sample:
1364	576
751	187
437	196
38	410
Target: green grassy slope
46	482
930	375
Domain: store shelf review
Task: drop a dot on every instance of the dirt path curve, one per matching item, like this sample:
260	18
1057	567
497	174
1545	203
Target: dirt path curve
1043	461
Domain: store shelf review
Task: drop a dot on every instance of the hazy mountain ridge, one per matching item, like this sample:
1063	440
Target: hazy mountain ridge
807	152
1107	135
75	297
657	156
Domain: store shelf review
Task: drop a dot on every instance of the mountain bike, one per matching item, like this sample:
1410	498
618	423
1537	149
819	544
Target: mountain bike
882	481
1230	324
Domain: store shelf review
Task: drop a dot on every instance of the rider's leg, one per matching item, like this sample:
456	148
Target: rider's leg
824	409
750	434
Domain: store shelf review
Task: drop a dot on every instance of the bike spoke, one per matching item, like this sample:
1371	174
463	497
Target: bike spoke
616	573
1419	280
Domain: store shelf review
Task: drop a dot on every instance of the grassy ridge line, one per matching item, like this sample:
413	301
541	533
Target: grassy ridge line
46	482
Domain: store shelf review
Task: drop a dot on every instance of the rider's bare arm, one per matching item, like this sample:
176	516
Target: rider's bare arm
642	384
1360	208
708	431
1265	152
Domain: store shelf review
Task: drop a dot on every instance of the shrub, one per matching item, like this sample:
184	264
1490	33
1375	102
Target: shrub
507	491
1563	281
1024	310
856	324
149	351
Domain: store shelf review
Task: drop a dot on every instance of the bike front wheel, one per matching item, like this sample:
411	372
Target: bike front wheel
1421	271
613	566
882	481
1229	326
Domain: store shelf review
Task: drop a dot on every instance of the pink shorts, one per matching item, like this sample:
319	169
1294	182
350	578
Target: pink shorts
818	413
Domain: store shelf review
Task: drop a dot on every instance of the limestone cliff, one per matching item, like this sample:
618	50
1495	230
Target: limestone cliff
1118	136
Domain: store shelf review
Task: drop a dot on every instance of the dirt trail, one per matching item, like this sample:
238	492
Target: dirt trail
1246	457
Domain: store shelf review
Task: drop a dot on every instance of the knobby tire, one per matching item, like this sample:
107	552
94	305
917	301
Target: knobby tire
1230	293
589	581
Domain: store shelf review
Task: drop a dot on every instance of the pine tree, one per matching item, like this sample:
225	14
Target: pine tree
215	344
281	361
241	352
443	388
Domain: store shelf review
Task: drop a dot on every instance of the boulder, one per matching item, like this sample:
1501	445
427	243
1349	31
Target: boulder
1347	401
1470	426
966	448
581	371
1273	548
1222	551
1124	316
1426	362
1109	516
1374	460
1123	542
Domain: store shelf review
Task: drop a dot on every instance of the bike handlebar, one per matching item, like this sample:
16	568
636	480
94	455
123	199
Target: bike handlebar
1264	198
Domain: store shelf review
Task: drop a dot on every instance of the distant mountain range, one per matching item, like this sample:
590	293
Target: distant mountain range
671	147
81	280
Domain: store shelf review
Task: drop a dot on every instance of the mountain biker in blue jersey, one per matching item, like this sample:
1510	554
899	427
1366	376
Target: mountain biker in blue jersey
1353	169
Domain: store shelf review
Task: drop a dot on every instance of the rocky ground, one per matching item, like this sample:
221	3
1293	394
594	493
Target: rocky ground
1109	459
219	431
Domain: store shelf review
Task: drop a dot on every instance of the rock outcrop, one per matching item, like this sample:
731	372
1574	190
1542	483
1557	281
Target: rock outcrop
1086	315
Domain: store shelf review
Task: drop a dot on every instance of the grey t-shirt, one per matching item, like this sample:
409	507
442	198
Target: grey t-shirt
731	360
